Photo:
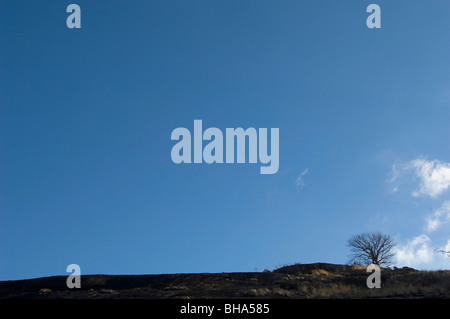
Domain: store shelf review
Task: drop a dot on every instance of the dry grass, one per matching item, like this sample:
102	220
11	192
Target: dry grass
319	272
433	284
359	267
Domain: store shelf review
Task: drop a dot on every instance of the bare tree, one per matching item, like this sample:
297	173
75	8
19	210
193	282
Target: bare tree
371	248
442	251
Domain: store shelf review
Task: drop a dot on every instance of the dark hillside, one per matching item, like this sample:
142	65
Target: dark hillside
319	280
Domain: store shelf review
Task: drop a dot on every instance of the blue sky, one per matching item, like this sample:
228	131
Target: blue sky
86	116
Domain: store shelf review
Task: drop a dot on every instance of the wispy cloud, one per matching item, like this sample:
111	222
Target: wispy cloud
439	217
394	173
299	180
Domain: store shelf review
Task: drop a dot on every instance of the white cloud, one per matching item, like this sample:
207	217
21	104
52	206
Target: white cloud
434	176
433	223
418	253
415	252
439	217
430	178
299	180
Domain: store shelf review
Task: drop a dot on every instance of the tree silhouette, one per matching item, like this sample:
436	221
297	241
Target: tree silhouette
371	248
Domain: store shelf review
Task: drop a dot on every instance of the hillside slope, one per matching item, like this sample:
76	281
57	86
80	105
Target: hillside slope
317	280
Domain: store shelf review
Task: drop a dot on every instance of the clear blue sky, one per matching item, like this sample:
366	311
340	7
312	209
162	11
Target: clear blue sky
86	117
